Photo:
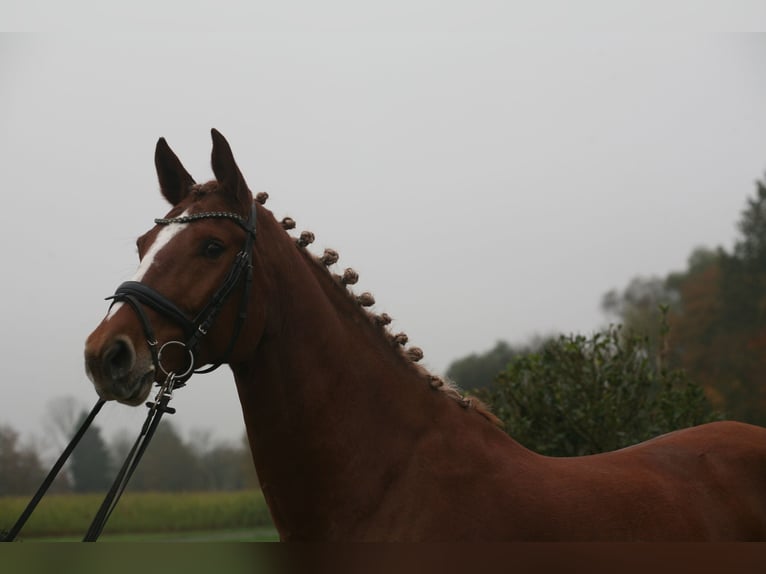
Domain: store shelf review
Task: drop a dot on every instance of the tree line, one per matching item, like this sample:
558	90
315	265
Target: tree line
170	464
716	313
685	349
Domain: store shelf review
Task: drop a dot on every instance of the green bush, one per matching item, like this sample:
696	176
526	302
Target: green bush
583	395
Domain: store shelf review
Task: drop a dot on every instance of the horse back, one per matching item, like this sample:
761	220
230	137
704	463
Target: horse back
703	483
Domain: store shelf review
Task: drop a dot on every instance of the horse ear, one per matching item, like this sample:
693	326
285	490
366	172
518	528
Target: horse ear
226	171
175	181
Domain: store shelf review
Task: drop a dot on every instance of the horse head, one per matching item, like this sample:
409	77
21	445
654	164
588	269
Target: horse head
186	304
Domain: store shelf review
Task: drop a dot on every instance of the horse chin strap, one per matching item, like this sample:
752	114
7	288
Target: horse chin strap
138	295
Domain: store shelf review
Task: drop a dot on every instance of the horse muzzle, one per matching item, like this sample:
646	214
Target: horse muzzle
117	371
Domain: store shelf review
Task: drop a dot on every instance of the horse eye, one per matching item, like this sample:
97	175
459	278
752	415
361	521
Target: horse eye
213	249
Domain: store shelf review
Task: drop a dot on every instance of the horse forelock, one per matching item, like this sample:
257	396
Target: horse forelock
200	190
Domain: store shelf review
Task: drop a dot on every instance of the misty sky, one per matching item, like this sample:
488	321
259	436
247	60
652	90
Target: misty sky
487	181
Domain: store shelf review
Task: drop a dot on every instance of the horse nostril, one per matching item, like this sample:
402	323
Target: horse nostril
119	359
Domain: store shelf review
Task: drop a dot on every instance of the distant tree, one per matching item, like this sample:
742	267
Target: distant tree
224	466
119	446
719	330
739	324
583	395
697	342
246	464
20	468
477	371
750	248
717	316
168	464
638	307
61	420
62	415
222	469
90	463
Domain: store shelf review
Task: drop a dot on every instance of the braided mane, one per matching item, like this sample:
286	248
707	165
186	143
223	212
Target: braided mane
396	341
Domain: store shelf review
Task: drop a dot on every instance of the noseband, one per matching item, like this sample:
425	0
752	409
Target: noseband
138	294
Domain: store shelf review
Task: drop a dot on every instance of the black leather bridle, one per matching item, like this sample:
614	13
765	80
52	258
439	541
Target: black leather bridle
138	294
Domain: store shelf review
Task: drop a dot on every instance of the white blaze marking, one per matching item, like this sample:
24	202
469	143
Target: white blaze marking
166	234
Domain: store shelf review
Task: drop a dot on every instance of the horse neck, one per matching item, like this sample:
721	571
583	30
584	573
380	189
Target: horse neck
326	397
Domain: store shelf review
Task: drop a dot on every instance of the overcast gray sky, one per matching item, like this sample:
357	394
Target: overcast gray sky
489	180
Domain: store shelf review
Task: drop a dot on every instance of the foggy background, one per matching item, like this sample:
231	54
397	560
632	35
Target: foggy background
487	179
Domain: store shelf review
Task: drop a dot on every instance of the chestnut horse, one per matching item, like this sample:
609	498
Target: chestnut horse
351	439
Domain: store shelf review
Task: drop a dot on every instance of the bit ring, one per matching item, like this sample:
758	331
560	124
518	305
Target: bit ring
188	350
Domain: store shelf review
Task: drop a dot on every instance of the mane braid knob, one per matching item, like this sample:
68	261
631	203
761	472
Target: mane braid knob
400	339
436	382
382	320
330	256
366	299
288	223
261	197
415	354
305	239
350	277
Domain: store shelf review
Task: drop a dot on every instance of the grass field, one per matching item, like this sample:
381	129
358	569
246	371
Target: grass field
196	516
259	534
